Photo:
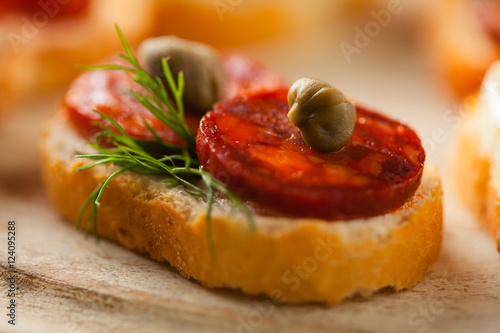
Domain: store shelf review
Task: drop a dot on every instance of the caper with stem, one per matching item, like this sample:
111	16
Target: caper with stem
201	64
322	113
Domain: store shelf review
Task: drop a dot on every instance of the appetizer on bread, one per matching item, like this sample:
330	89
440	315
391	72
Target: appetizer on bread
295	192
476	159
462	39
44	39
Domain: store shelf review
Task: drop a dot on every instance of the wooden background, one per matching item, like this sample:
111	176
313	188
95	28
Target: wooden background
69	284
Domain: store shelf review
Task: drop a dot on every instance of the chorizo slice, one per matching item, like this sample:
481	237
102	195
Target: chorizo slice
249	144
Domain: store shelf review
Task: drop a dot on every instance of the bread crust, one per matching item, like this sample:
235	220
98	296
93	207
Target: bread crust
300	260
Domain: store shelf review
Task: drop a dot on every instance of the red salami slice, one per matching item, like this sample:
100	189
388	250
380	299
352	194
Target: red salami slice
108	92
249	144
73	7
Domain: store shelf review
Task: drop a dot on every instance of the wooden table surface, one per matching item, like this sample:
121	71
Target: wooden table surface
69	284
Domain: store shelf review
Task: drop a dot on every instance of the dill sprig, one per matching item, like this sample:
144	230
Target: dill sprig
156	98
179	164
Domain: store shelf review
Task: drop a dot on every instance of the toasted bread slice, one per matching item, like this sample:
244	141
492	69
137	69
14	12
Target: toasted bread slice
477	157
291	260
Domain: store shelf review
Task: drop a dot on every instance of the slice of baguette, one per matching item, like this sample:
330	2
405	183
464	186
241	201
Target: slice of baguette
291	260
477	157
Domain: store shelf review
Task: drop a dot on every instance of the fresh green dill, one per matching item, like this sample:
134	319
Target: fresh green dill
156	98
177	163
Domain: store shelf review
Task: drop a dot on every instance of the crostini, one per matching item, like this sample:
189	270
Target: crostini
462	40
476	160
249	204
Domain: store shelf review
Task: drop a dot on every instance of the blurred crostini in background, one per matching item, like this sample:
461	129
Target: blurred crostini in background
43	40
461	39
224	23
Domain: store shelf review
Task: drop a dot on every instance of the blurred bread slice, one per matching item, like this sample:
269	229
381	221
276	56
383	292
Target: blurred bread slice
476	160
44	56
456	44
223	23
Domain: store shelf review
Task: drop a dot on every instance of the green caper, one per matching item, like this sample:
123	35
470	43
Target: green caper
322	113
203	72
